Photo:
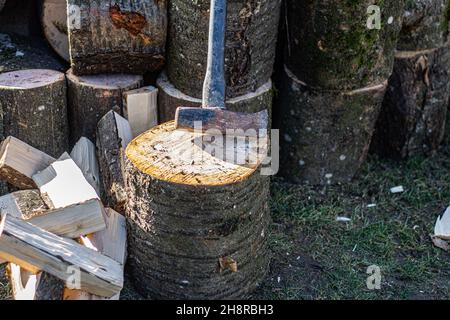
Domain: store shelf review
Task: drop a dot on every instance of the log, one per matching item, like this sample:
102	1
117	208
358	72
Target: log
249	51
111	242
330	47
33	103
91	97
117	37
413	116
194	217
20	161
424	25
85	157
54	26
325	135
140	108
36	249
170	98
113	136
55	189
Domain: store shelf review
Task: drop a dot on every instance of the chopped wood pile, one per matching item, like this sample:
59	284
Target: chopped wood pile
57	226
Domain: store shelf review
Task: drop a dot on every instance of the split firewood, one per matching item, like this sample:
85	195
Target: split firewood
84	155
140	108
54	26
117	36
23	282
111	242
63	184
113	135
35	249
20	161
91	97
31	98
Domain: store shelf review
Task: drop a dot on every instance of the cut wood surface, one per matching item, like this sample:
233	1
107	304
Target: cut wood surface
189	209
84	155
251	37
111	242
170	98
36	249
20	161
54	25
91	97
117	37
63	184
140	108
23	283
414	113
329	45
34	108
325	135
113	135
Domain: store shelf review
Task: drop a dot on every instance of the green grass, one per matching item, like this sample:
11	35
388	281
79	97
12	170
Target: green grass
316	257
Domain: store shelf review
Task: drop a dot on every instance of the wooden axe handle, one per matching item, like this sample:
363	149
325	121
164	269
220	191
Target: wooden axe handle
214	85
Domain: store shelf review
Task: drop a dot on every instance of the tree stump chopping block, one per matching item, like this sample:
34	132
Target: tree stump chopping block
54	26
170	98
330	46
91	97
413	116
33	105
197	224
325	135
117	37
251	37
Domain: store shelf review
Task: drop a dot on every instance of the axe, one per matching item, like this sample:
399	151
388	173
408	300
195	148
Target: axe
213	113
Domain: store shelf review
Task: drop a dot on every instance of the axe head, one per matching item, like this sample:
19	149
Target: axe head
227	122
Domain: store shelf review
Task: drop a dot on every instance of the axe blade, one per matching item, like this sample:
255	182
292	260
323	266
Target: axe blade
225	121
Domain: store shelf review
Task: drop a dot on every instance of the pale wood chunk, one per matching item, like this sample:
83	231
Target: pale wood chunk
20	161
140	108
23	283
36	249
111	242
84	155
63	184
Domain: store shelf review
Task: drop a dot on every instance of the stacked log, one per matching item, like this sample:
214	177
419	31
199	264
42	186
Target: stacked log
249	54
91	97
33	104
330	94
197	223
413	116
116	37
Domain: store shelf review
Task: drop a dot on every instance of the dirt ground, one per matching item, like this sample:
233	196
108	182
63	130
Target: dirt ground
317	257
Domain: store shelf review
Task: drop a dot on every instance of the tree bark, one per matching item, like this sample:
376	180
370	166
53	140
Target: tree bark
197	225
413	116
250	44
33	106
325	134
91	97
170	98
117	37
424	25
330	47
111	146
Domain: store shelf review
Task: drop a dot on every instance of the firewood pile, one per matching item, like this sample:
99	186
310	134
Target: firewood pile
87	77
